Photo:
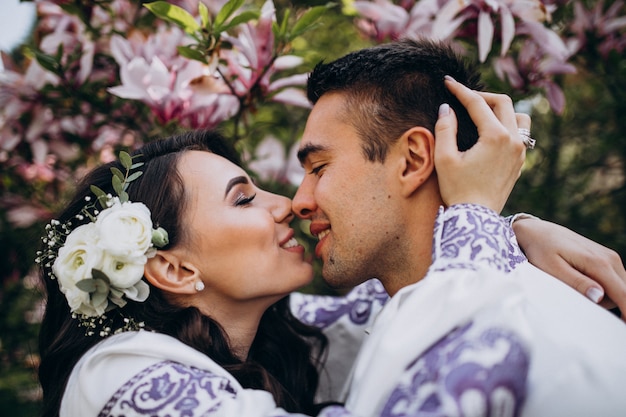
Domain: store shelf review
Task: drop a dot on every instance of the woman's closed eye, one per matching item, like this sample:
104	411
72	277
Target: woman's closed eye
243	199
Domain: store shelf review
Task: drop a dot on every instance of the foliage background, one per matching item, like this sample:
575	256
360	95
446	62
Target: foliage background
575	177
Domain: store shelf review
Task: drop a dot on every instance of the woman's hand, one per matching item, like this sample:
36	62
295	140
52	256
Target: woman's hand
590	268
486	173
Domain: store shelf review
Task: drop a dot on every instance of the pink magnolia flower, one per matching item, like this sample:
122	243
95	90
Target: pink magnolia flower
271	163
481	22
22	213
607	27
119	16
61	29
175	88
532	68
191	6
253	63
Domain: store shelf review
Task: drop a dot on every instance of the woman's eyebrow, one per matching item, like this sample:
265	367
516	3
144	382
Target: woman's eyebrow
234	181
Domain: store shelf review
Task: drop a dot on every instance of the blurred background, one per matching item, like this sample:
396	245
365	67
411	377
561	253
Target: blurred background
81	80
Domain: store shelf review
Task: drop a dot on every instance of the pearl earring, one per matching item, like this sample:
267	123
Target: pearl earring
199	286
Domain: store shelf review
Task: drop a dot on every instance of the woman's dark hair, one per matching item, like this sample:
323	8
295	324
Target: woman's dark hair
285	353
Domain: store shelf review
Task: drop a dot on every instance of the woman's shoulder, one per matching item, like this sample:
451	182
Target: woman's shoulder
120	368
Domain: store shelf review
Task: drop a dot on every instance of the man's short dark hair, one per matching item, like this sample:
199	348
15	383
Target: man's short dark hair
392	87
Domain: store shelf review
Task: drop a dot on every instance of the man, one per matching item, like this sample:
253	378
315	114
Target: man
458	337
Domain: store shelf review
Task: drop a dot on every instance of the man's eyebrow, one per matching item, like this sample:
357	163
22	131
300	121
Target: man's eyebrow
233	182
308	149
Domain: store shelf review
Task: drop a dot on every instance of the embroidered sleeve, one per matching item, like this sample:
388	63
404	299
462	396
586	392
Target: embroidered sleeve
170	389
357	308
470	372
344	321
468	235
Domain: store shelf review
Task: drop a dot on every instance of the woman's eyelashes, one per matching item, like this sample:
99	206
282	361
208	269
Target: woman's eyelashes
243	200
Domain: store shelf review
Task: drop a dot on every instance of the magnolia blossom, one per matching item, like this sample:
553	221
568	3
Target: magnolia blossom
607	27
476	21
271	164
125	231
533	68
252	62
175	88
69	32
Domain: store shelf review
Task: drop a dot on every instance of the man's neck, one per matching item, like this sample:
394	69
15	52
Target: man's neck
420	222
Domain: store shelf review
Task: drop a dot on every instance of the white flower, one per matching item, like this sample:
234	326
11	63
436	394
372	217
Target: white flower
125	231
123	273
77	257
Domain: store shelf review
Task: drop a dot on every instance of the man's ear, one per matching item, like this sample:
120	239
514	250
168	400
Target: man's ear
417	146
166	271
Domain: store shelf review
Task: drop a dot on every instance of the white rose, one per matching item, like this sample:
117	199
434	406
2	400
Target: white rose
123	272
125	230
76	258
76	299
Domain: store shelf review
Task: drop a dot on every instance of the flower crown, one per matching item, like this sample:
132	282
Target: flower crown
100	264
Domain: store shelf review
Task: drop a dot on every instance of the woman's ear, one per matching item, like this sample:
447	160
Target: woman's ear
418	152
166	271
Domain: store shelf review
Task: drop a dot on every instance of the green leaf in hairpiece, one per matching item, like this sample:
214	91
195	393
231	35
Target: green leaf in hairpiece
126	160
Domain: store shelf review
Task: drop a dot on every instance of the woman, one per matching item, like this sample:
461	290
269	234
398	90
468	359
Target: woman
179	182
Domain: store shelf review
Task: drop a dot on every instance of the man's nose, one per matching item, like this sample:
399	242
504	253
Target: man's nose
303	204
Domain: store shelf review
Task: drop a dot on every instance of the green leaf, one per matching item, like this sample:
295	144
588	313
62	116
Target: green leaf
98	297
280	28
97	191
204	15
87	285
308	19
117	173
101	196
227	11
132	177
125	160
136	165
99	275
48	62
174	14
123	195
237	20
117	186
191	53
115	293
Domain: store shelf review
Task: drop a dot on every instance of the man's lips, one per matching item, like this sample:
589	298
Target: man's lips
320	231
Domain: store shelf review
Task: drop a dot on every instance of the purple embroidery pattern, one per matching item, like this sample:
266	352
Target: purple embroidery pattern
474	233
466	373
169	389
357	306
